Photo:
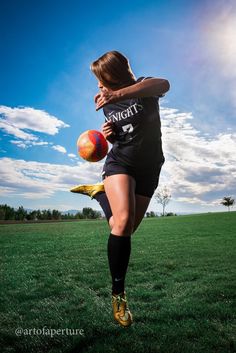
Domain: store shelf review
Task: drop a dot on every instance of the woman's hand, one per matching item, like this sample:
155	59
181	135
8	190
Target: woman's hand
106	96
108	132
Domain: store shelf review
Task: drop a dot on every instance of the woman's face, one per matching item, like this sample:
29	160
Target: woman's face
100	85
104	88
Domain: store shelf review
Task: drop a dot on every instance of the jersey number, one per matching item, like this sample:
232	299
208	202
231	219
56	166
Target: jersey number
128	128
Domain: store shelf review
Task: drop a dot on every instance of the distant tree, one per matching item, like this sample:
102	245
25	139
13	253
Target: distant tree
38	215
97	214
88	212
2	213
228	201
171	214
68	216
44	214
7	212
79	215
150	214
56	214
20	214
32	216
49	214
163	197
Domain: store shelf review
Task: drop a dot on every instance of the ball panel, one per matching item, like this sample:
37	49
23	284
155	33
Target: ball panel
97	138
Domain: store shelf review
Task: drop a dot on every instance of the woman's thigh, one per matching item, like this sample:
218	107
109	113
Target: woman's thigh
120	191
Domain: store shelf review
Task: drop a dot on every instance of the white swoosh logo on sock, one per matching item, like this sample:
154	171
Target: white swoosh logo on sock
118	279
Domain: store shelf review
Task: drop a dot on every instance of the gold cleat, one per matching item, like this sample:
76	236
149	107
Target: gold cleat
121	311
90	190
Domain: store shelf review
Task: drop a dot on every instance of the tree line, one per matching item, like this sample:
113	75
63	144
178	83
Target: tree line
8	213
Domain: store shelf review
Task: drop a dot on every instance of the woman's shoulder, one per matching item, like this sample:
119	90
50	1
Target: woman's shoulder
142	78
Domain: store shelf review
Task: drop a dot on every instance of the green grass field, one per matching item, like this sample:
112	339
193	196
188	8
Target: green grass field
180	285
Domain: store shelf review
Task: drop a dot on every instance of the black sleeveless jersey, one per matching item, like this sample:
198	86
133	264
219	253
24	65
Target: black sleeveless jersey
137	127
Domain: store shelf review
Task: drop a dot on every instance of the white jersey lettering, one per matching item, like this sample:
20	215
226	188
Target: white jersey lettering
124	114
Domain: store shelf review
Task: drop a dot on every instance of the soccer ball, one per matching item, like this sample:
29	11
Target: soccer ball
92	146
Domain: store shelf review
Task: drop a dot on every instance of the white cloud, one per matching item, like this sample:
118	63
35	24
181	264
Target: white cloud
26	144
31	119
14	121
40	143
59	148
29	179
198	168
19	143
15	131
72	155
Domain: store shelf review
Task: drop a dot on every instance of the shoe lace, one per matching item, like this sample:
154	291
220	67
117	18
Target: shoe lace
119	299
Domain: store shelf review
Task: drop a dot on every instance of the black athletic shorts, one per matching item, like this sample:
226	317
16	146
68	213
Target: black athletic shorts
146	179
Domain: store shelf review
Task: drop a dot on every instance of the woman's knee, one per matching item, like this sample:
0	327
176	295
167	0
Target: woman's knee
124	222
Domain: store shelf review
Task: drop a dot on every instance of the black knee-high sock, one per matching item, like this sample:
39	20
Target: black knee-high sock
118	249
102	199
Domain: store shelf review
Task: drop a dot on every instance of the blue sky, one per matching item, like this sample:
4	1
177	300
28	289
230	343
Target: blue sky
47	90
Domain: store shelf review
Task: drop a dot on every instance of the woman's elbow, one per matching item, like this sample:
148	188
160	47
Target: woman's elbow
163	86
166	86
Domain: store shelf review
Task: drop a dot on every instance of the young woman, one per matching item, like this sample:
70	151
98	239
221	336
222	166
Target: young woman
132	167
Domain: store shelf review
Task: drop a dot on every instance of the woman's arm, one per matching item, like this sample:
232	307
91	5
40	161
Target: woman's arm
108	132
147	88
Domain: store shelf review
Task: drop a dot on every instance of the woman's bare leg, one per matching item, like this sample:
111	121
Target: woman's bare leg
120	190
141	205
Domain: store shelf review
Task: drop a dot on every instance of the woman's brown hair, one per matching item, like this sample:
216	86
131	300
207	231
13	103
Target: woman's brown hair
113	70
